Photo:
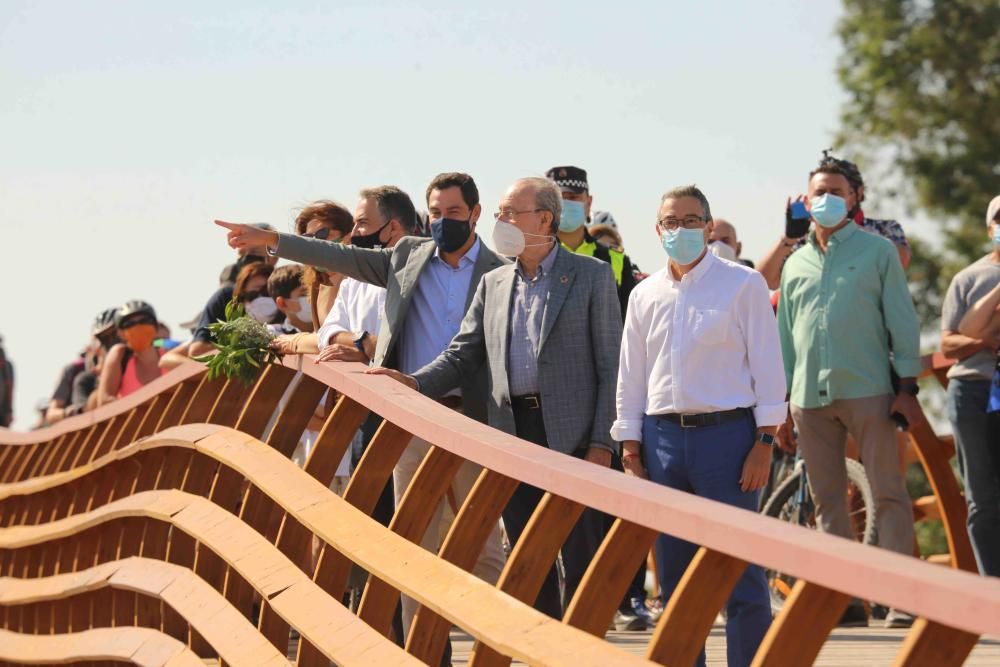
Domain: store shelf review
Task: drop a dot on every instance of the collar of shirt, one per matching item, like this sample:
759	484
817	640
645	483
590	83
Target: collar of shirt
471	256
543	268
839	236
695	274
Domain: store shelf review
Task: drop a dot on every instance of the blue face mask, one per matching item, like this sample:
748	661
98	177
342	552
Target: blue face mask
996	233
684	245
573	215
828	210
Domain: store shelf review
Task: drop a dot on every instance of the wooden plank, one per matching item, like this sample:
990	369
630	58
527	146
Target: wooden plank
140	646
466	538
333	440
608	576
934	457
529	562
411	520
264	399
178	405
295	416
200	405
798	633
687	619
930	643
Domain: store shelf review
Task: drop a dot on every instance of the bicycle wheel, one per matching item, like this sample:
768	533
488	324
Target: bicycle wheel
784	505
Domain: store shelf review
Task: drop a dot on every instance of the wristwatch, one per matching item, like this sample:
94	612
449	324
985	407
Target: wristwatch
359	342
766	438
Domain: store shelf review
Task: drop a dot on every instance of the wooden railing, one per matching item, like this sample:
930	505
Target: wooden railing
156	522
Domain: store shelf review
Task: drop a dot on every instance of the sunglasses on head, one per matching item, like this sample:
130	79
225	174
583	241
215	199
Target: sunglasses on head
127	324
255	293
323	233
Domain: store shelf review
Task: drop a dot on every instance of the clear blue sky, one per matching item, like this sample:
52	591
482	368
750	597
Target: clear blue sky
126	127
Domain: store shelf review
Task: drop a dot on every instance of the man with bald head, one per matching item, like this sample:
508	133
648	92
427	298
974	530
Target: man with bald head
546	323
723	243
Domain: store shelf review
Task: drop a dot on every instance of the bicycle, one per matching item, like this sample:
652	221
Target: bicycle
792	501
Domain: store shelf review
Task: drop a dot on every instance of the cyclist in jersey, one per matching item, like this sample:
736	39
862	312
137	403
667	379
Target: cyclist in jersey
135	363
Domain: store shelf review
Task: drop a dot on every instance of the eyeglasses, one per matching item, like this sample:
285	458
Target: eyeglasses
322	234
128	324
254	294
507	214
687	222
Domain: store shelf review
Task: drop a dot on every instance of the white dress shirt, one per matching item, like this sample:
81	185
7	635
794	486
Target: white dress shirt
357	308
705	343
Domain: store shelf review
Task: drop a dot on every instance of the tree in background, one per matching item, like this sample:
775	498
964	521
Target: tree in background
923	79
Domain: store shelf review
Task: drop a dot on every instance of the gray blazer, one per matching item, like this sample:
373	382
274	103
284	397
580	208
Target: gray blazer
397	269
577	358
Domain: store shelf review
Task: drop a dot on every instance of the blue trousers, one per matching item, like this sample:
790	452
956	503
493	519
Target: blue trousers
977	441
708	462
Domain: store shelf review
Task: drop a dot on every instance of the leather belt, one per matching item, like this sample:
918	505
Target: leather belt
453	402
705	418
526	402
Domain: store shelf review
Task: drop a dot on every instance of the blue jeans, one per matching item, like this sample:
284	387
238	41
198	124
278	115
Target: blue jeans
708	462
976	442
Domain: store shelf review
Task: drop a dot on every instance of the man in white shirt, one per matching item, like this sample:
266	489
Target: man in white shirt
701	391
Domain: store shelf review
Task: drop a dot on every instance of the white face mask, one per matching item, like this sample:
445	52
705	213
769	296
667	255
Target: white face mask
509	240
305	312
723	250
262	309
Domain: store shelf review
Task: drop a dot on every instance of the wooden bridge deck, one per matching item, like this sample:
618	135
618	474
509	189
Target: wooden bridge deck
847	647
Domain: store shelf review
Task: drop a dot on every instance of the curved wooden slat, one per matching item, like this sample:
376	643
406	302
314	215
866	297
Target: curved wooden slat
608	576
465	541
930	643
225	629
800	630
691	610
530	561
294	597
140	646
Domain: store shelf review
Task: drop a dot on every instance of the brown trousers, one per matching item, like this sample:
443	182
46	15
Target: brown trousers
822	436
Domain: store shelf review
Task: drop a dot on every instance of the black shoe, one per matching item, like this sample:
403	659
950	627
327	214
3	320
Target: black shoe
638	607
897	618
854	617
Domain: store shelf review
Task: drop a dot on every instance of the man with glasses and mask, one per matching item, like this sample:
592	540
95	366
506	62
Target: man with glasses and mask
701	394
573	223
429	286
547	329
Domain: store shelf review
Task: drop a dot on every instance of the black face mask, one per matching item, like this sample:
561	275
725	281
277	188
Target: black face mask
370	241
449	234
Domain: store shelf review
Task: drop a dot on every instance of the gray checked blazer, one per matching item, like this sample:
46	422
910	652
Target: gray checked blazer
397	269
577	358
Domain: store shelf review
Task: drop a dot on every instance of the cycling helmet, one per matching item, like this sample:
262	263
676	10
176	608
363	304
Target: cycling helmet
603	218
134	308
104	321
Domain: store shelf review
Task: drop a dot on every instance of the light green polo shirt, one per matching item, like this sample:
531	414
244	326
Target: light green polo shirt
836	314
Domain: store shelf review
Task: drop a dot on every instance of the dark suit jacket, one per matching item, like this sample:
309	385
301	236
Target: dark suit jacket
577	358
397	269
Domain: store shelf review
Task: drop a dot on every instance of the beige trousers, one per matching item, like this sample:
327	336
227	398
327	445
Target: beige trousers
822	434
490	562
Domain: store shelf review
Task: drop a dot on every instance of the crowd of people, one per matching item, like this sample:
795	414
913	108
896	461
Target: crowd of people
688	377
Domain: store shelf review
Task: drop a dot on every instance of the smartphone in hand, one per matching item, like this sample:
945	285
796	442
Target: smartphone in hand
796	220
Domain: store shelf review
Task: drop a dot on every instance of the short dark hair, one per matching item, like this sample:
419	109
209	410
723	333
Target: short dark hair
832	167
393	203
284	280
455	179
689	191
330	212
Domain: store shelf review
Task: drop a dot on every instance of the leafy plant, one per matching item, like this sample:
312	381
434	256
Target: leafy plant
243	344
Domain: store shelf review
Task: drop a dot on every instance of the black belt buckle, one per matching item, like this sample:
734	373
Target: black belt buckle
694	421
529	401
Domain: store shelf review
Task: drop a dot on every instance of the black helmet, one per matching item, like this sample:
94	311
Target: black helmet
851	171
133	308
104	321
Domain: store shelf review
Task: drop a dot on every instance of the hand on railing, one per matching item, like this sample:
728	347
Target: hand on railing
408	380
339	352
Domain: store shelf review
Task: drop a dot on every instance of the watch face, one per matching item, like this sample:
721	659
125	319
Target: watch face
766	438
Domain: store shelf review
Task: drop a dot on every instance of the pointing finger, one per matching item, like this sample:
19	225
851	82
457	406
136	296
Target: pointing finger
232	226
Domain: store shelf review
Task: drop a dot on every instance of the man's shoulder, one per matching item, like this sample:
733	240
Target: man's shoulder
409	243
983	269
